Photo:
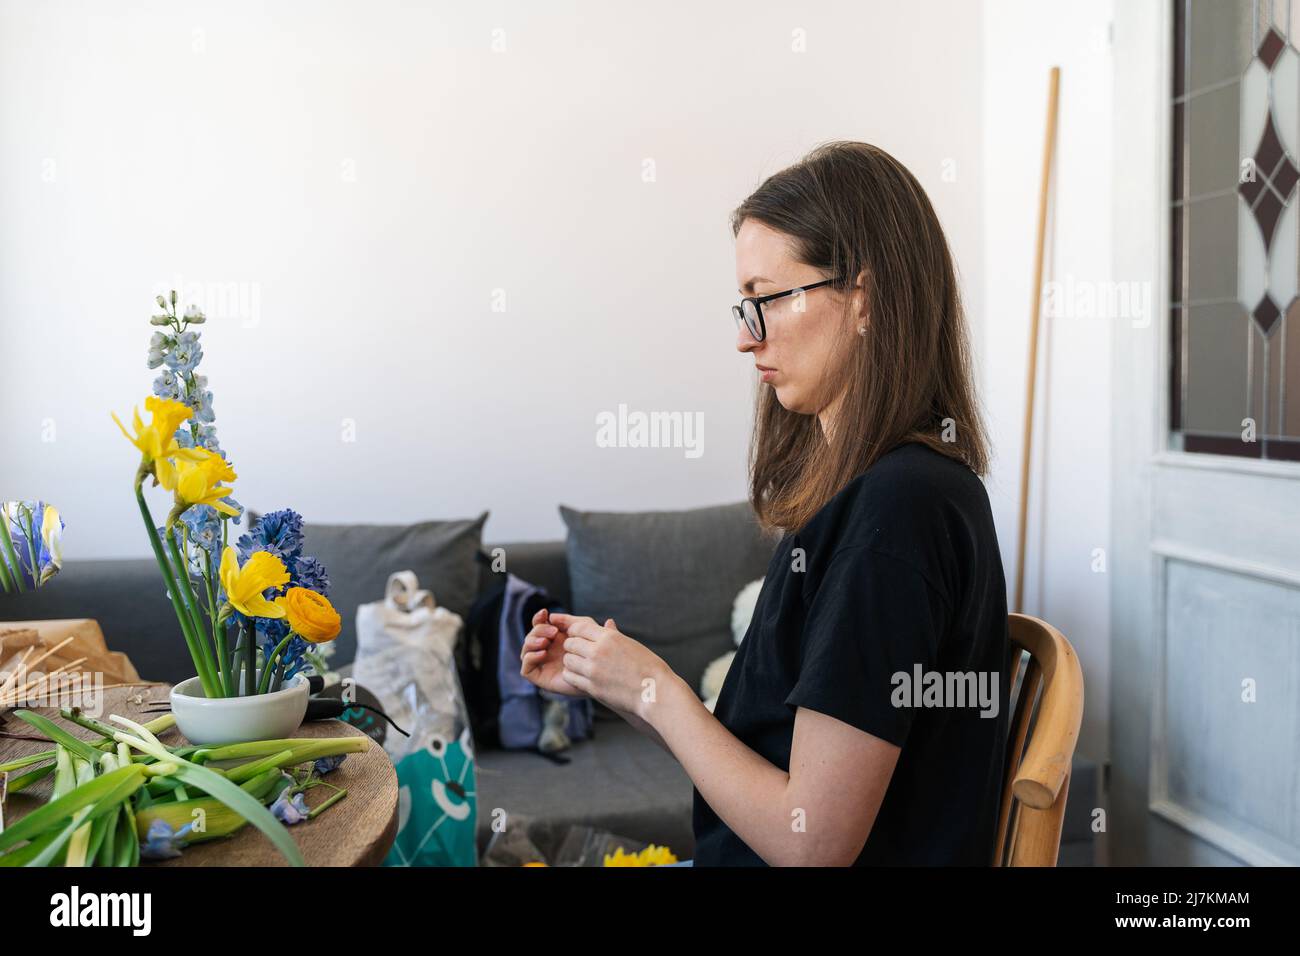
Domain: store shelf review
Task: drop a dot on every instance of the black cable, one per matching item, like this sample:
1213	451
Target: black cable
376	710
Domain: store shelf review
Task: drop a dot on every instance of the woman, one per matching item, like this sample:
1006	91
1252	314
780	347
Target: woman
850	728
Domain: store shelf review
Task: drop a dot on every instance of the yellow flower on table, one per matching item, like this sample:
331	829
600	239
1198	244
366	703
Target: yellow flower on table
311	616
651	856
199	482
244	586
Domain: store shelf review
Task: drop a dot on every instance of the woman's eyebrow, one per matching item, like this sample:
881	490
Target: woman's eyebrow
749	285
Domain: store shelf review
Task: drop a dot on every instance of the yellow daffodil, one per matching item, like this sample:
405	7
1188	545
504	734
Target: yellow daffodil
199	483
311	616
244	586
156	440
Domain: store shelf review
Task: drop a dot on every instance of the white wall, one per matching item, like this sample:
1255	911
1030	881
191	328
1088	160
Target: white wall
365	175
1070	476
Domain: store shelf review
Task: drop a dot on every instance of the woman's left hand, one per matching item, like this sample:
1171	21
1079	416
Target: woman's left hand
605	663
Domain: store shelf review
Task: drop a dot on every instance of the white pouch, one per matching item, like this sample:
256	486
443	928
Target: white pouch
405	657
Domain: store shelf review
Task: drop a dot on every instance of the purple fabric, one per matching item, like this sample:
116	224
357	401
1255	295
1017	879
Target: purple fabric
520	717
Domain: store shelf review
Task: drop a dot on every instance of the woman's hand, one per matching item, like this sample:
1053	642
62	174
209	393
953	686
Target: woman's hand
542	657
606	664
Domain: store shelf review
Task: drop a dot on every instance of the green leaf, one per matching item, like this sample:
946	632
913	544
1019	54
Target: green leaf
22	782
238	800
88	794
25	854
27	761
56	733
100	838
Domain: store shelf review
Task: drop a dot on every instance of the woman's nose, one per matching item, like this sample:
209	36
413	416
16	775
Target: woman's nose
745	341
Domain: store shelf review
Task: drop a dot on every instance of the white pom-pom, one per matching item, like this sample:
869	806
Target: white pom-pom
742	611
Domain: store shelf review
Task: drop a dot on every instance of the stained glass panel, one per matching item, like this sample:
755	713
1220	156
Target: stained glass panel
1235	228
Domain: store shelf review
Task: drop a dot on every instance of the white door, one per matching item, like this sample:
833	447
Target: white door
1205	562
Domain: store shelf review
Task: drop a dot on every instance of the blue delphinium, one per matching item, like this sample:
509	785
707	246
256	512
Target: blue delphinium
203	530
180	349
158	346
185	352
290	810
167	385
324	765
163	843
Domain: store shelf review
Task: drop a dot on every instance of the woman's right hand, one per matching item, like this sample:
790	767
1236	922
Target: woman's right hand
542	657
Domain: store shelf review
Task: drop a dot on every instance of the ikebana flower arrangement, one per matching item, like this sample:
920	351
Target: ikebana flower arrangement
123	795
250	611
31	544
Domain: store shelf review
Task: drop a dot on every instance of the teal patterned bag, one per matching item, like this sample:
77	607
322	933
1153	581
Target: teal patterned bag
436	806
405	656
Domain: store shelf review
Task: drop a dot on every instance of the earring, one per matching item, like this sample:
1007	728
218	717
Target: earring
862	329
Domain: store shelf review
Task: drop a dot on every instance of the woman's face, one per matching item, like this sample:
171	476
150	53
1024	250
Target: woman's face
802	330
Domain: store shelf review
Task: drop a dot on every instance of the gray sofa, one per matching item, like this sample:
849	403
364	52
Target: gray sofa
618	780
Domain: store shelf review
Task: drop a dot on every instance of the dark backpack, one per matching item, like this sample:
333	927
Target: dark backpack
478	663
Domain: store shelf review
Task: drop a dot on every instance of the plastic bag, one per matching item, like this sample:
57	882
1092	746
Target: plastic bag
405	656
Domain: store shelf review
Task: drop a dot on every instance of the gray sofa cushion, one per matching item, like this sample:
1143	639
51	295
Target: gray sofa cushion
668	578
543	563
620	781
360	557
128	600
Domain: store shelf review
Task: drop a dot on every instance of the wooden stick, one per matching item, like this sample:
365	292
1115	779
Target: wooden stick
1053	95
43	679
18	669
57	647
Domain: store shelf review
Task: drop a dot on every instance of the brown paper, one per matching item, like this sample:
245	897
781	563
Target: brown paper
87	641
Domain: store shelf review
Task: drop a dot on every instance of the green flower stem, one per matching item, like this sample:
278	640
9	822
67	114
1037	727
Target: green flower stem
205	679
33	552
155	726
301	749
192	606
6	581
257	767
270	664
7	543
250	659
338	795
218	629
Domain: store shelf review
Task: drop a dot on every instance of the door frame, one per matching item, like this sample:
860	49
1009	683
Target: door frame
1144	825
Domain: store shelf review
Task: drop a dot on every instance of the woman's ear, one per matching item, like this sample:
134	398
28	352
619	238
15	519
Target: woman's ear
861	302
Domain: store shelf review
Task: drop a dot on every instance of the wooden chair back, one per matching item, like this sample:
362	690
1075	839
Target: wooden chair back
1044	729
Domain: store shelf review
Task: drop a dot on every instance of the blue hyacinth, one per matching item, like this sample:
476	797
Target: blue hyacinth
280	533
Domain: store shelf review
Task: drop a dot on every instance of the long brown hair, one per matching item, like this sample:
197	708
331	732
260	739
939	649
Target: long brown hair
850	209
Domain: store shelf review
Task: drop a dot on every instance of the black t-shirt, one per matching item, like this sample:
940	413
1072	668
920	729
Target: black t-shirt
899	574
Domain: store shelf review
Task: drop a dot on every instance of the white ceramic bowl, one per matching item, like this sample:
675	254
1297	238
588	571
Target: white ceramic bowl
230	720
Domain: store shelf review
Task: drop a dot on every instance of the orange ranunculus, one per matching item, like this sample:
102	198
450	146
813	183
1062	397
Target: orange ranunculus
311	616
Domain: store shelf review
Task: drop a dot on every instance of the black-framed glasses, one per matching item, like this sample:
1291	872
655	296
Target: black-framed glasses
750	310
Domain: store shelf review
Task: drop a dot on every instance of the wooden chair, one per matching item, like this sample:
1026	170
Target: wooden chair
1037	779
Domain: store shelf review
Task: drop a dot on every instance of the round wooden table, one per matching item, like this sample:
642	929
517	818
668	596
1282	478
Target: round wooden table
359	830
